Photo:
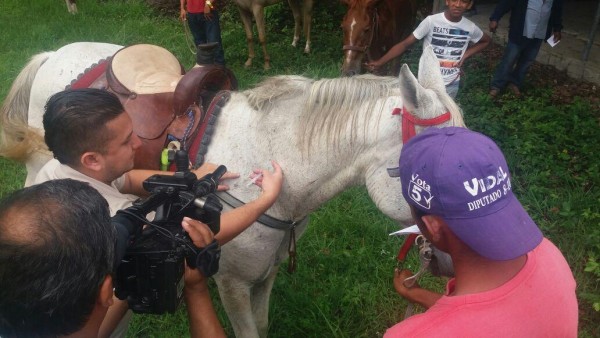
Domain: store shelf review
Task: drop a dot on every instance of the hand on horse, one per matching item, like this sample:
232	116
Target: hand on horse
208	168
414	294
269	181
372	65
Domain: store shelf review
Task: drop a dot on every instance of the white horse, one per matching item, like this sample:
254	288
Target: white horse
301	10
327	135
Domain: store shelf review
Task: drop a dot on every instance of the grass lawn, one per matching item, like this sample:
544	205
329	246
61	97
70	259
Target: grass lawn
343	284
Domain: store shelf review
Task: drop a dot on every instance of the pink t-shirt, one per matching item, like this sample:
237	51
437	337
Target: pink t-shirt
539	301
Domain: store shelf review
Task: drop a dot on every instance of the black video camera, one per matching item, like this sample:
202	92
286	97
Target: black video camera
150	260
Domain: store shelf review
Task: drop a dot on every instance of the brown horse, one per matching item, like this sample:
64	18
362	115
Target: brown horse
301	9
371	28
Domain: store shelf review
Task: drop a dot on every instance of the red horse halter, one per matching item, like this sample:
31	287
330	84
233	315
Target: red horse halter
408	131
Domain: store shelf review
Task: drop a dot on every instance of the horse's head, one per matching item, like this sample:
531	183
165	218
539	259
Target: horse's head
358	33
426	100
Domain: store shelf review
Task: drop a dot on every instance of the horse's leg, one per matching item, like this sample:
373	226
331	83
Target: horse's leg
71	6
307	8
295	6
235	297
259	17
247	21
261	294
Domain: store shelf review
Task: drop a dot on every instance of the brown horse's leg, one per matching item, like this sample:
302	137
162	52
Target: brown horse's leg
247	21
307	8
295	6
259	17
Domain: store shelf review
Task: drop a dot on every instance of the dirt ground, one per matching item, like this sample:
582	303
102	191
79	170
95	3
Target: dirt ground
565	87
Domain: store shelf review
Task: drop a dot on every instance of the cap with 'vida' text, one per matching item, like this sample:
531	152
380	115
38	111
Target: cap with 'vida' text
462	176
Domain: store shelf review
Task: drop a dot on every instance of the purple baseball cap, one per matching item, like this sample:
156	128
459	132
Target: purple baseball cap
462	176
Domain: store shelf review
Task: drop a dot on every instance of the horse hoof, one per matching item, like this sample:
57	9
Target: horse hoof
248	64
267	66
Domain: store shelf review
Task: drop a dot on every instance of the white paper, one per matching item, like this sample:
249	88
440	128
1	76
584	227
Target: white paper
413	229
551	41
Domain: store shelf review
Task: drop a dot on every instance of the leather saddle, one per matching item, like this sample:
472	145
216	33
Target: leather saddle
165	102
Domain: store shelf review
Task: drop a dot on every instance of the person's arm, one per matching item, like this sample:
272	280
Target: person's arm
555	21
182	11
201	313
503	7
414	294
395	51
135	178
235	221
475	48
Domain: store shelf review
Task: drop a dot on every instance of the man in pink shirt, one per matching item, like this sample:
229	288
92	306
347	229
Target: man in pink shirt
509	281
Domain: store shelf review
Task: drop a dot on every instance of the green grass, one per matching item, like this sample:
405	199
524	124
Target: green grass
342	287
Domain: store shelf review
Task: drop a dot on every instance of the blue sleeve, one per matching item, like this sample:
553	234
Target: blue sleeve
503	7
556	15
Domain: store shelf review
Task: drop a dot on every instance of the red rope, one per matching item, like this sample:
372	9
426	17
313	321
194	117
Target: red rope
408	131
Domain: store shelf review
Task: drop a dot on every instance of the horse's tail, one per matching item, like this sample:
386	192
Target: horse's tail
17	139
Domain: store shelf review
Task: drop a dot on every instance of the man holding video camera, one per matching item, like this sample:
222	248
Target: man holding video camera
92	138
57	260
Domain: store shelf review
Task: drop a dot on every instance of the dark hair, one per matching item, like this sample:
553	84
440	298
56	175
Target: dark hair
56	248
75	122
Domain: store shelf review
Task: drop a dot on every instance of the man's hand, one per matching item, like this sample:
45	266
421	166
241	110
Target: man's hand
373	66
208	168
270	182
557	36
207	10
182	14
493	26
414	294
201	236
201	313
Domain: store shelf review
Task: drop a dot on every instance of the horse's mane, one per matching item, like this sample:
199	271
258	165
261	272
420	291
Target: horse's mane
331	105
276	87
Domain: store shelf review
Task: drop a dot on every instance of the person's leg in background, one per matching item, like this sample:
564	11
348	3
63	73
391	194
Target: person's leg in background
526	59
196	24
452	88
511	54
213	34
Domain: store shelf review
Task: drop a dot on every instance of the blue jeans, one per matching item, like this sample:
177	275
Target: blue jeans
515	63
205	31
452	88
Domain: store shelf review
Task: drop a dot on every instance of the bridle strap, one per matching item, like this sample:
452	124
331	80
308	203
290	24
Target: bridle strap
408	131
409	121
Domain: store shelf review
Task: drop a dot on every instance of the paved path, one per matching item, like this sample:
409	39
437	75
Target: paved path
578	17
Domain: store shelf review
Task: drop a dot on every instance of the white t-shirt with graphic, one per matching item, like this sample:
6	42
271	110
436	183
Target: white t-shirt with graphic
449	41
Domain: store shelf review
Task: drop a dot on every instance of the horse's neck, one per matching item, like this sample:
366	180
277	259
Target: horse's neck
246	140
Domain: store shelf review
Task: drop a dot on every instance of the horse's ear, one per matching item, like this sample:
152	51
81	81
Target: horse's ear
430	75
409	86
